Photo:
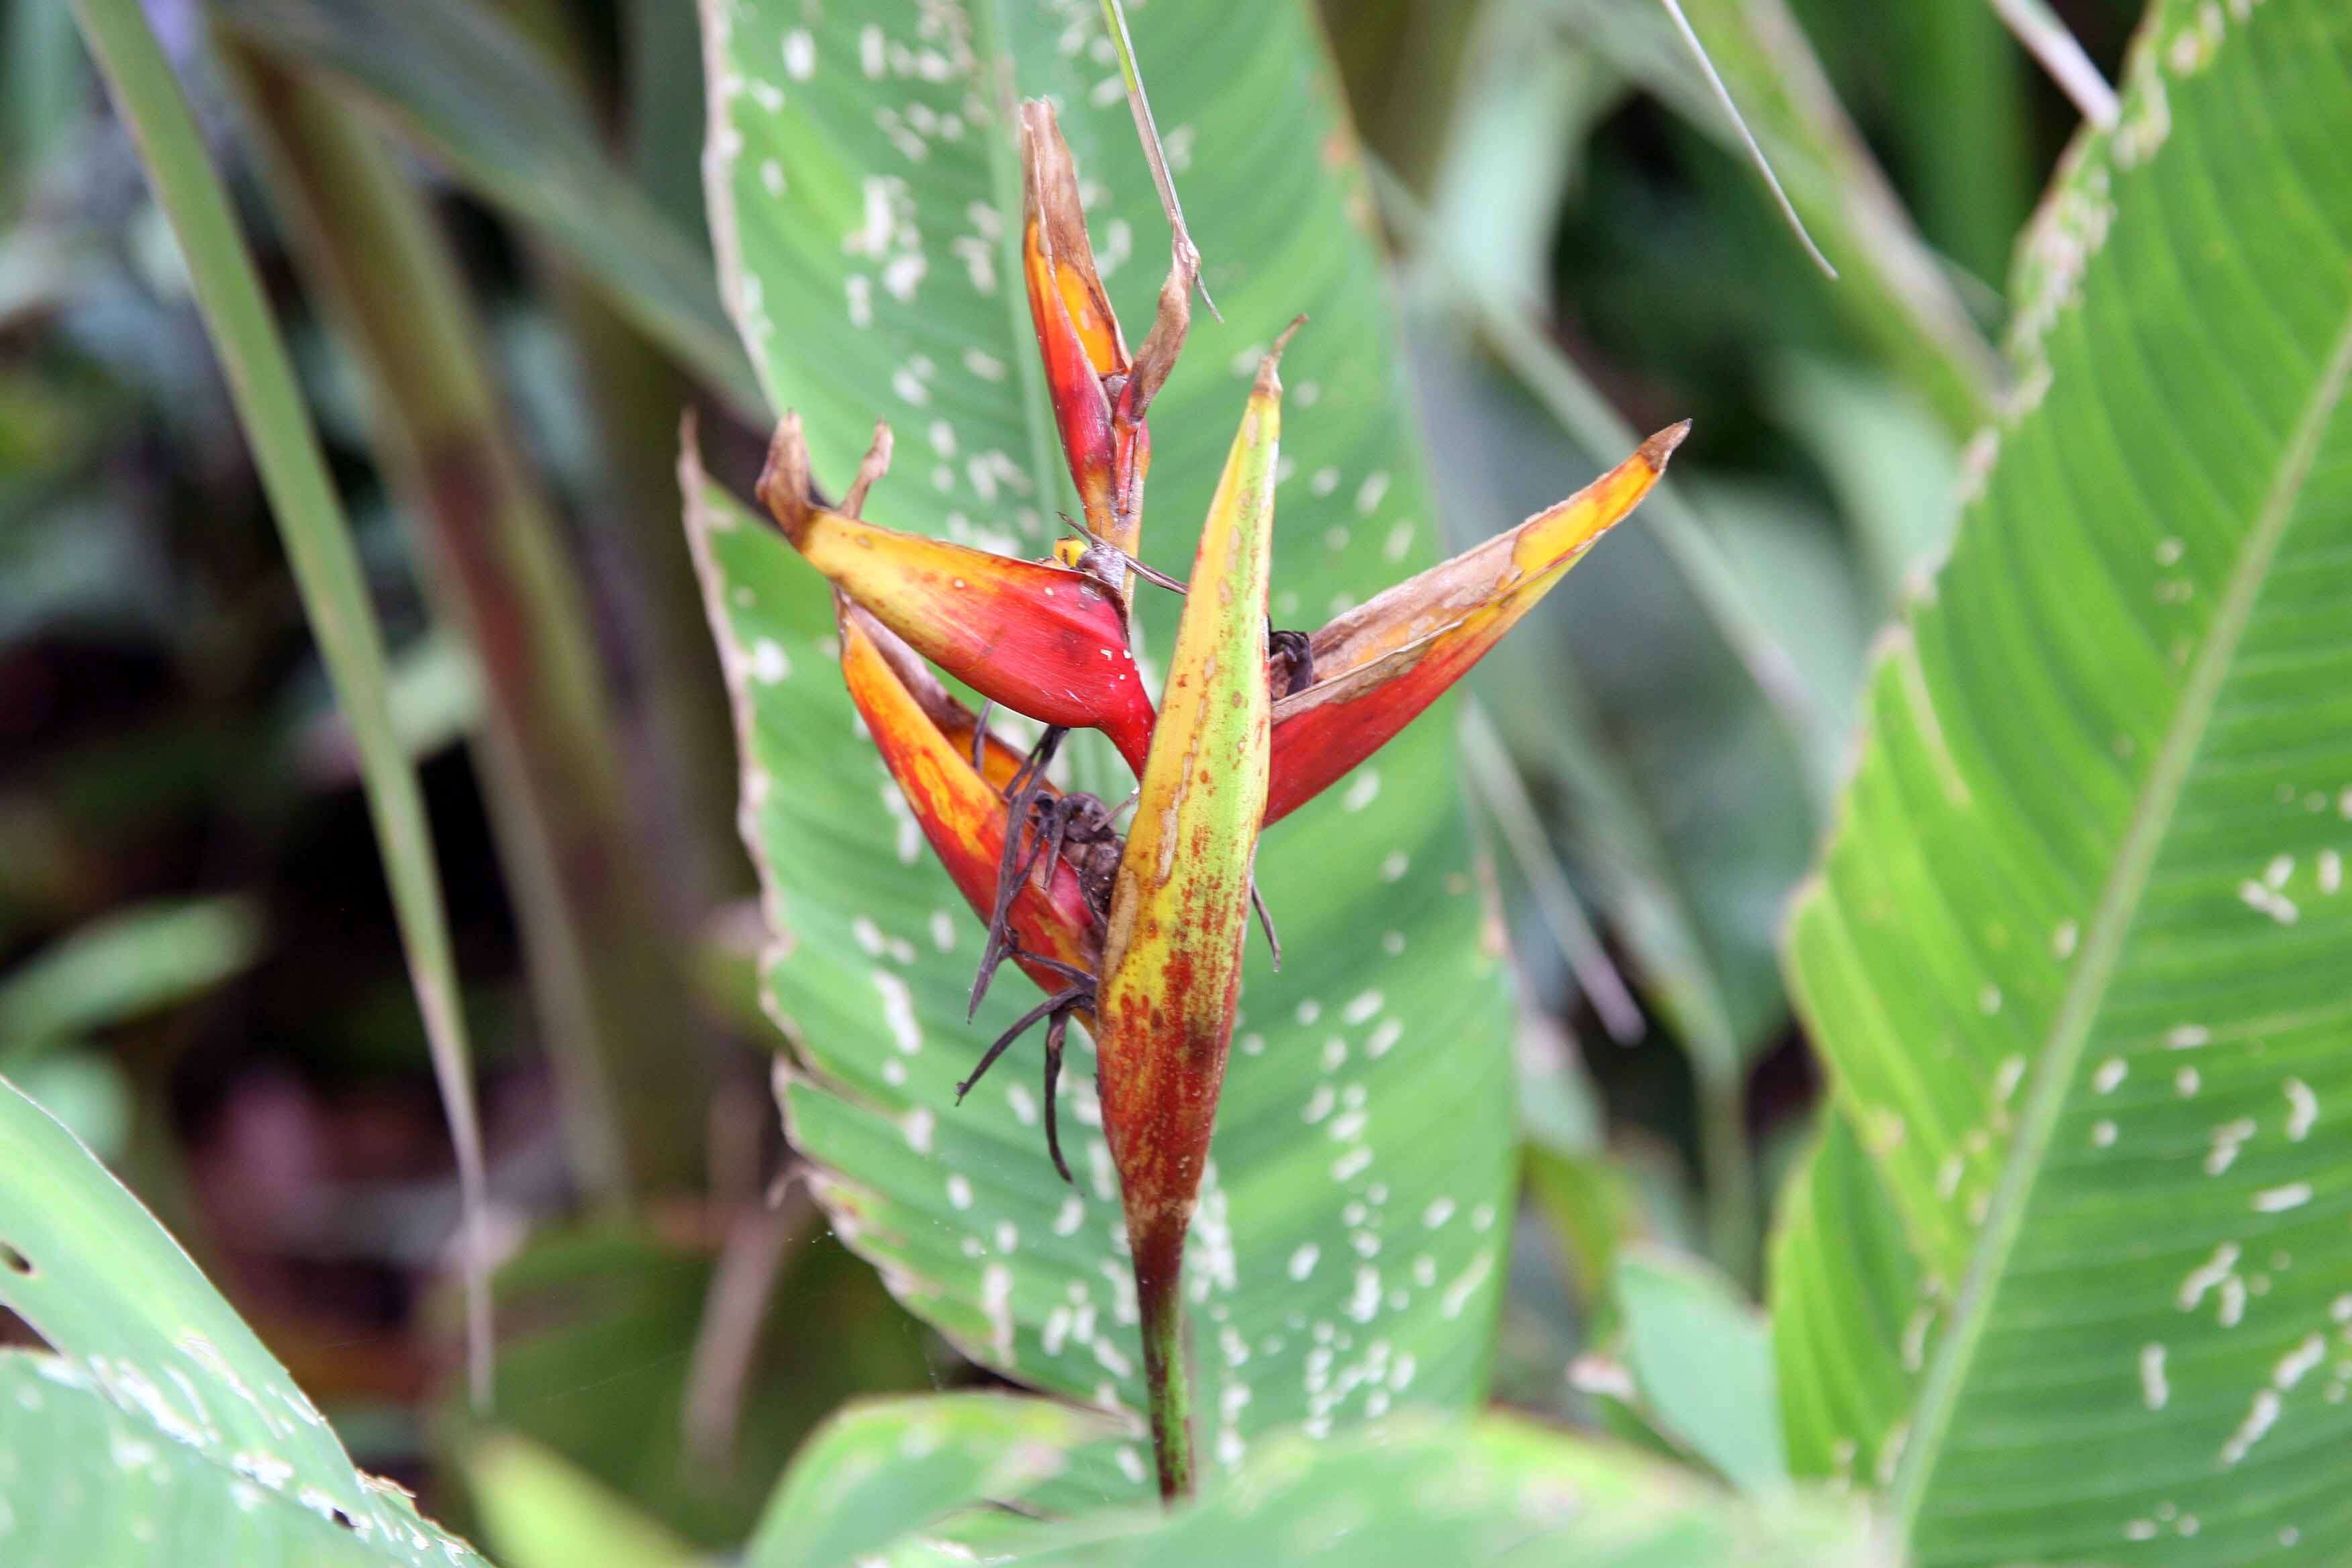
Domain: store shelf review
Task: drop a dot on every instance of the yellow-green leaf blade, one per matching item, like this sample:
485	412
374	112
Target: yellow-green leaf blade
2076	958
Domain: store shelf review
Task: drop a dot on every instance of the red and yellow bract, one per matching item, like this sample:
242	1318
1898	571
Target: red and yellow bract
1379	666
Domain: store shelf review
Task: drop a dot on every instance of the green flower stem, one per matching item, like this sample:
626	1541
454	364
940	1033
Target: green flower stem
1167	1380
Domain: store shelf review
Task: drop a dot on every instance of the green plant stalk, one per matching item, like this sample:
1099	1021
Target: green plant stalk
1763	165
326	569
635	393
1497	780
662	81
1727	1164
41	87
2047	40
605	974
1621	848
1726	1160
1169	1376
1139	105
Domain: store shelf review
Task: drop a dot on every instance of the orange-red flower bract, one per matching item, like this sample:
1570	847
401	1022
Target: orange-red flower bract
1077	335
1181	904
1379	665
1043	641
925	737
1099	392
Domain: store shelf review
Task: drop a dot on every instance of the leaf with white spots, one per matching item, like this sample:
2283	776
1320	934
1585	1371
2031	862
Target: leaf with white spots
893	143
1421	1492
160	1430
882	1468
2063	1280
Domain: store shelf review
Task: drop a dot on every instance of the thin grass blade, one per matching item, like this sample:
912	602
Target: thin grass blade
326	568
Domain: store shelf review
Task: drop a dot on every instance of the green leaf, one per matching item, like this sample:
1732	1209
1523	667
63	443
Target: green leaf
2076	957
882	1467
85	1481
542	1511
1347	1255
1702	1358
136	961
89	1090
1420	1492
1849	1324
1888	462
181	1437
1960	126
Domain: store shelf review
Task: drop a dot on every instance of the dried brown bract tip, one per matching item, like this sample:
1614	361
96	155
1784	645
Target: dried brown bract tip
783	487
870	470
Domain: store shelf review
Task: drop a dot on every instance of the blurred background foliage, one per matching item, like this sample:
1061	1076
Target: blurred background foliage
198	967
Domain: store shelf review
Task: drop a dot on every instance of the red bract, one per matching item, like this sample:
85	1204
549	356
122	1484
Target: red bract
1042	639
928	742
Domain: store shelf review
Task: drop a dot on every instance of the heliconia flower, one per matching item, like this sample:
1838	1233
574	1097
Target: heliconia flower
1100	393
1042	639
1180	908
1378	666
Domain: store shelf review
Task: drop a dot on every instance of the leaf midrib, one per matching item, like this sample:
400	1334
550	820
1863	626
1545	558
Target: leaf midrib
2070	1026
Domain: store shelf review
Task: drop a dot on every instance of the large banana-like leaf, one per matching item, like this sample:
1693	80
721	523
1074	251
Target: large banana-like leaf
866	194
2080	955
160	1430
1500	1489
